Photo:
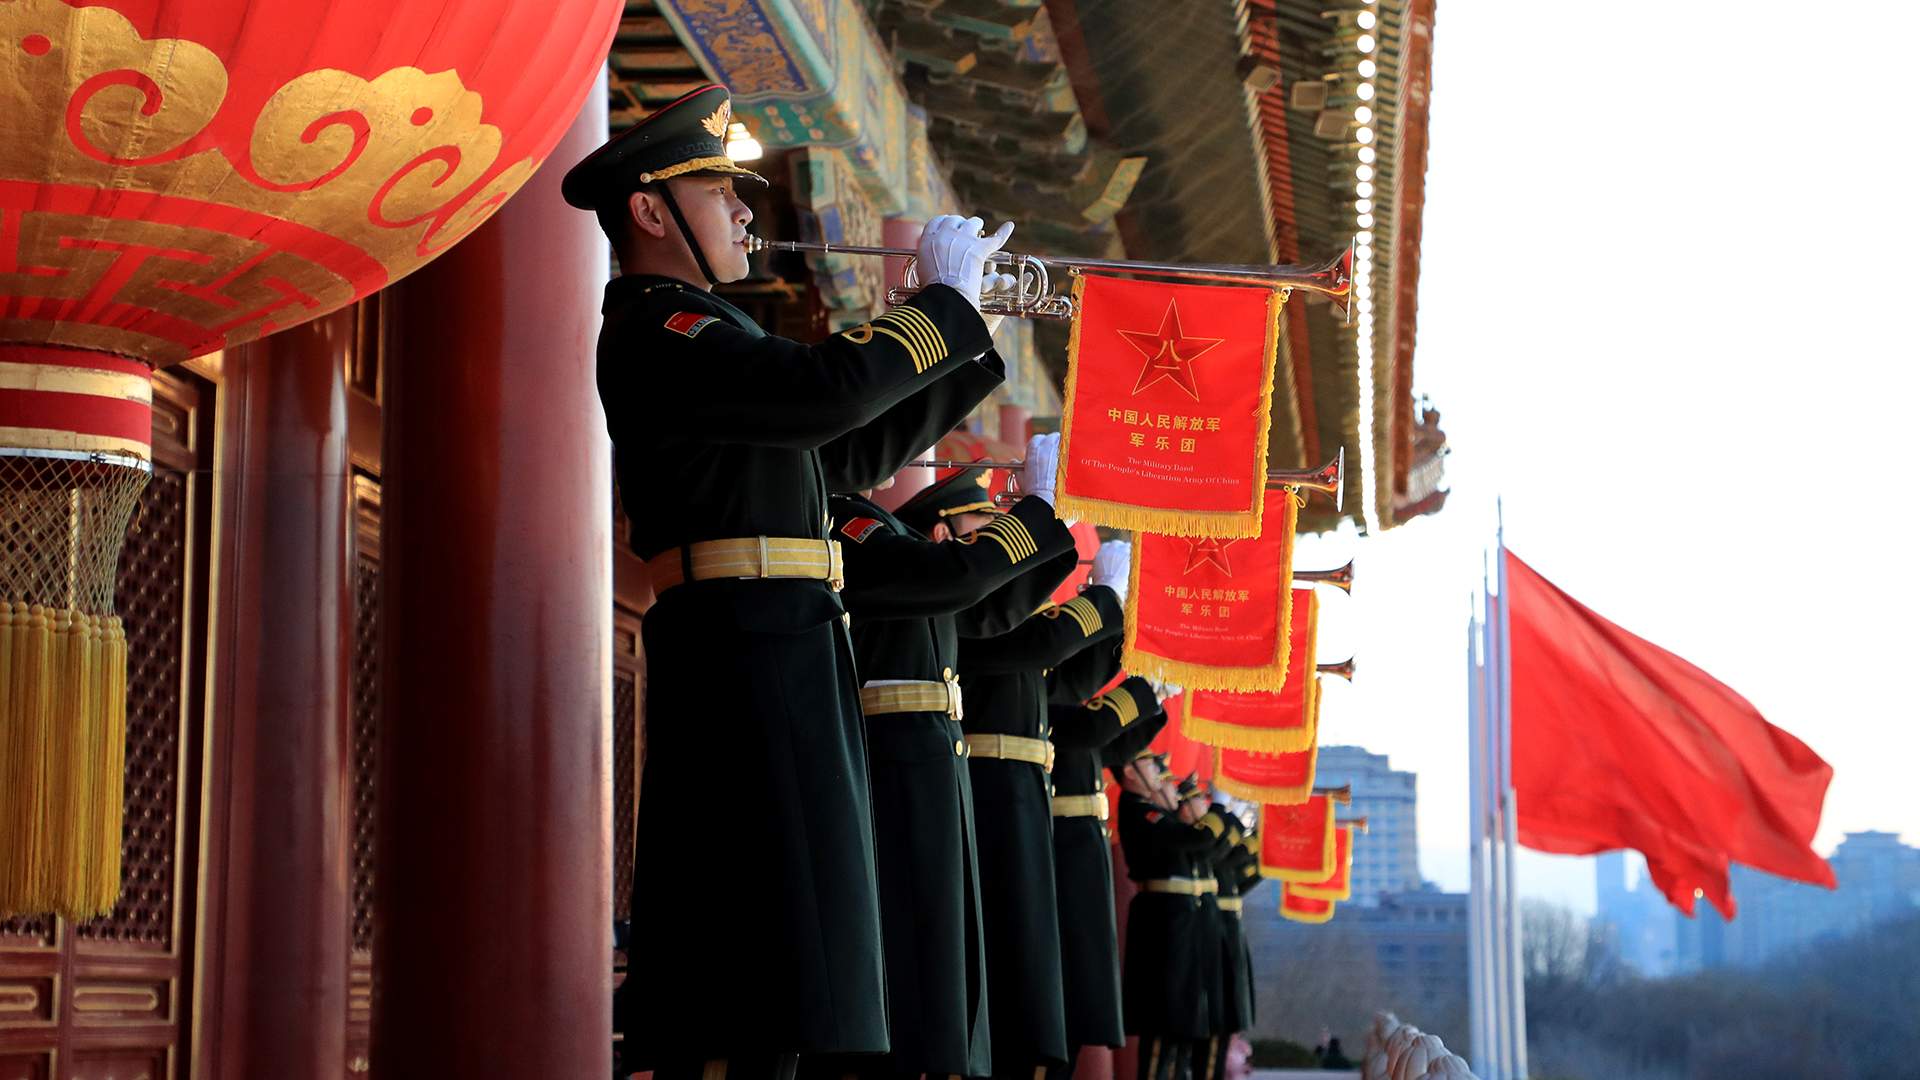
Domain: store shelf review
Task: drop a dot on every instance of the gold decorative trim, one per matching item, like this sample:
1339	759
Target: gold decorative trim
88	999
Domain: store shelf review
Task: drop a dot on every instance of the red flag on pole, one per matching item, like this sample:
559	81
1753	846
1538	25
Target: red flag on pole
1213	614
1279	779
1169	389
1617	742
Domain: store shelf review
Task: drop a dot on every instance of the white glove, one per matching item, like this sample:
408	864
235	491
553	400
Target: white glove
991	284
952	252
1036	473
1112	564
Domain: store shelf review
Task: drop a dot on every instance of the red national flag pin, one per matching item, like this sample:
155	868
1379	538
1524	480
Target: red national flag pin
1169	388
1212	613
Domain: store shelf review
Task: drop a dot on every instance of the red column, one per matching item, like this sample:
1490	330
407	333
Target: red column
278	905
493	903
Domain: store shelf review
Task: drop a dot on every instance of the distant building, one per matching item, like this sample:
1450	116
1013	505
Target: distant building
1386	857
1879	879
1634	915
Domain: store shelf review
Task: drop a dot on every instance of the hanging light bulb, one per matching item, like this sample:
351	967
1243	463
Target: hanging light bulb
1363	114
1363	172
1363	189
741	146
1368	69
1365	221
1364	91
1366	155
1364	43
1367	20
1365	135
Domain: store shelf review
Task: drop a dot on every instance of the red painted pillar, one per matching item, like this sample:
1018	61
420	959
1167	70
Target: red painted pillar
493	904
277	987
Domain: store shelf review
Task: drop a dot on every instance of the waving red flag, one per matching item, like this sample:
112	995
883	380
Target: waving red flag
1169	389
1620	743
1339	884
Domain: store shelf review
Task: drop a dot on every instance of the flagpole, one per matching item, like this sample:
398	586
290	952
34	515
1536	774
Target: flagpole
1477	987
1498	976
1510	827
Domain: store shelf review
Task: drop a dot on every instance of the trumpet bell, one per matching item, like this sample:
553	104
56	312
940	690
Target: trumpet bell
1340	577
1329	479
1344	669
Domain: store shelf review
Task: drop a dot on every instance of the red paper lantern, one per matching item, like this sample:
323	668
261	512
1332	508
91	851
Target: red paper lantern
177	177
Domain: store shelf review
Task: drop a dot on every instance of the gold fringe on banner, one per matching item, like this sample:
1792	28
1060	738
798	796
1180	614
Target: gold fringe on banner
1238	737
1294	914
1192	675
1344	891
1226	524
1262	793
63	737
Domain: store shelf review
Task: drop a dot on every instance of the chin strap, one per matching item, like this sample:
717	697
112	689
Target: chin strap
693	245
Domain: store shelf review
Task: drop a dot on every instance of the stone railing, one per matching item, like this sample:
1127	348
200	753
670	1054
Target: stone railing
1397	1051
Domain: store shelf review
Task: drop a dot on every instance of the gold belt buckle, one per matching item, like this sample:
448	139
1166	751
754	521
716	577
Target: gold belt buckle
836	567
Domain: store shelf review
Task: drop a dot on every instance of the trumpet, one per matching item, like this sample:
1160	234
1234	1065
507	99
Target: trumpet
1340	577
1342	794
1328	479
1033	295
1344	669
1359	824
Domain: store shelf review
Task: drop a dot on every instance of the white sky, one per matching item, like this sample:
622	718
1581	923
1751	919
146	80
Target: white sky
1665	309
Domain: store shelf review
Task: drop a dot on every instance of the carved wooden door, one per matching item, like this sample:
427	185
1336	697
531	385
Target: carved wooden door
110	999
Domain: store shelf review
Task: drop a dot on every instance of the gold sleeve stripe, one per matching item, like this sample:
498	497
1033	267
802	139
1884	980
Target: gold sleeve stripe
1122	704
914	314
925	346
918	367
1013	536
1002	541
1085	614
1015	527
1213	825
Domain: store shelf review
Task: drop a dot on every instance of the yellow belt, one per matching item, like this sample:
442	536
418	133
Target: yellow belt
912	697
1229	903
1012	748
1182	886
756	557
1094	806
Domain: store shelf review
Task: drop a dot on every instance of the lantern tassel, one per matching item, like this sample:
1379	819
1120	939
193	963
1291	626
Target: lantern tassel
63	733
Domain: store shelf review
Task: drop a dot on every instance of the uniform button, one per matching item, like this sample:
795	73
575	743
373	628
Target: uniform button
960	748
946	673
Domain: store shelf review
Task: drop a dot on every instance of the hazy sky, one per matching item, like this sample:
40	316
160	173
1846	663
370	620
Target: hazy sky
1665	308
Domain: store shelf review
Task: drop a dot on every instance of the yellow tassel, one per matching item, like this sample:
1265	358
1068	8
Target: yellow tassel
1268	795
1237	737
63	678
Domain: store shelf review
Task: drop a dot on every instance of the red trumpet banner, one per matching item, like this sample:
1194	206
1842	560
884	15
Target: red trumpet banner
1297	842
1215	614
1296	906
1278	779
1339	884
1286	721
1169	394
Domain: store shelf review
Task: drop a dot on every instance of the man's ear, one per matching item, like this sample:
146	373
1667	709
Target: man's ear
940	531
647	210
